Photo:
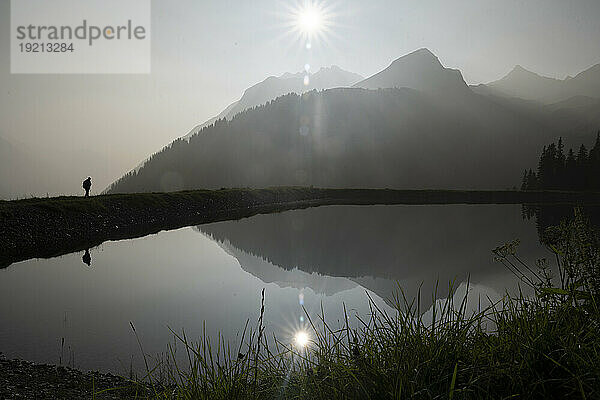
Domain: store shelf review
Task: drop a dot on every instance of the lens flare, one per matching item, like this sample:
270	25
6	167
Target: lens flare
310	19
301	339
309	22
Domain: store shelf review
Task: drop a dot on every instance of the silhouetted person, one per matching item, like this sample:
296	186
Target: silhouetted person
87	259
87	184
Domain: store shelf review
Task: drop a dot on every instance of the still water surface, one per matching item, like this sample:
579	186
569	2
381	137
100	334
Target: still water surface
213	275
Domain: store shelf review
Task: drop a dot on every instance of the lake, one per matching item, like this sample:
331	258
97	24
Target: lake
210	278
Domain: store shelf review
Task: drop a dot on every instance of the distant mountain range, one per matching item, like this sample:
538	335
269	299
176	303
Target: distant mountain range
571	105
273	87
416	124
528	85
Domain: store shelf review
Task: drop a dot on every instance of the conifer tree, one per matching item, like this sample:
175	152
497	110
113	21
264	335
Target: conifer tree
571	172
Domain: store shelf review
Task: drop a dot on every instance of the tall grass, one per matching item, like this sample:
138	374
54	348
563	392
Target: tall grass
541	346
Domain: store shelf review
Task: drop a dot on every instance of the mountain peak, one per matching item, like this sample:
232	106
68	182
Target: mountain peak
422	55
422	52
519	70
331	68
528	85
420	70
288	75
332	72
520	78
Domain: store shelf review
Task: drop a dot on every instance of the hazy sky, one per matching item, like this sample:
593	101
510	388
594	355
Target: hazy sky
205	53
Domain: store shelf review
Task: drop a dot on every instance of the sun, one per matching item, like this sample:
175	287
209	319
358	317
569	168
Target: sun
301	339
309	23
310	19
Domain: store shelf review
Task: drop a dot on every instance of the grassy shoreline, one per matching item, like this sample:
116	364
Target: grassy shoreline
546	345
47	227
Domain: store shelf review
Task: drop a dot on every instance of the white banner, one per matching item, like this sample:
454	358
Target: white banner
80	37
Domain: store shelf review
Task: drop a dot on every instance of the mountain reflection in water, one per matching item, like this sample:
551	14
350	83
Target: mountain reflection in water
318	259
380	247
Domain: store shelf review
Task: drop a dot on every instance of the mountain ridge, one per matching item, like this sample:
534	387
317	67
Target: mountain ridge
396	138
528	85
428	129
276	86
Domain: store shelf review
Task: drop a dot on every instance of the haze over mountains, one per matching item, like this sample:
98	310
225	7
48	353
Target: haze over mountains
273	87
420	70
528	85
26	171
416	124
571	105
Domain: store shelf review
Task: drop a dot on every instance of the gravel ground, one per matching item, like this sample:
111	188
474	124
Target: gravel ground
26	380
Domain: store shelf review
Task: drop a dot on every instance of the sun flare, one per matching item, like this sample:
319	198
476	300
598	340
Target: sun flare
309	23
301	339
310	19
